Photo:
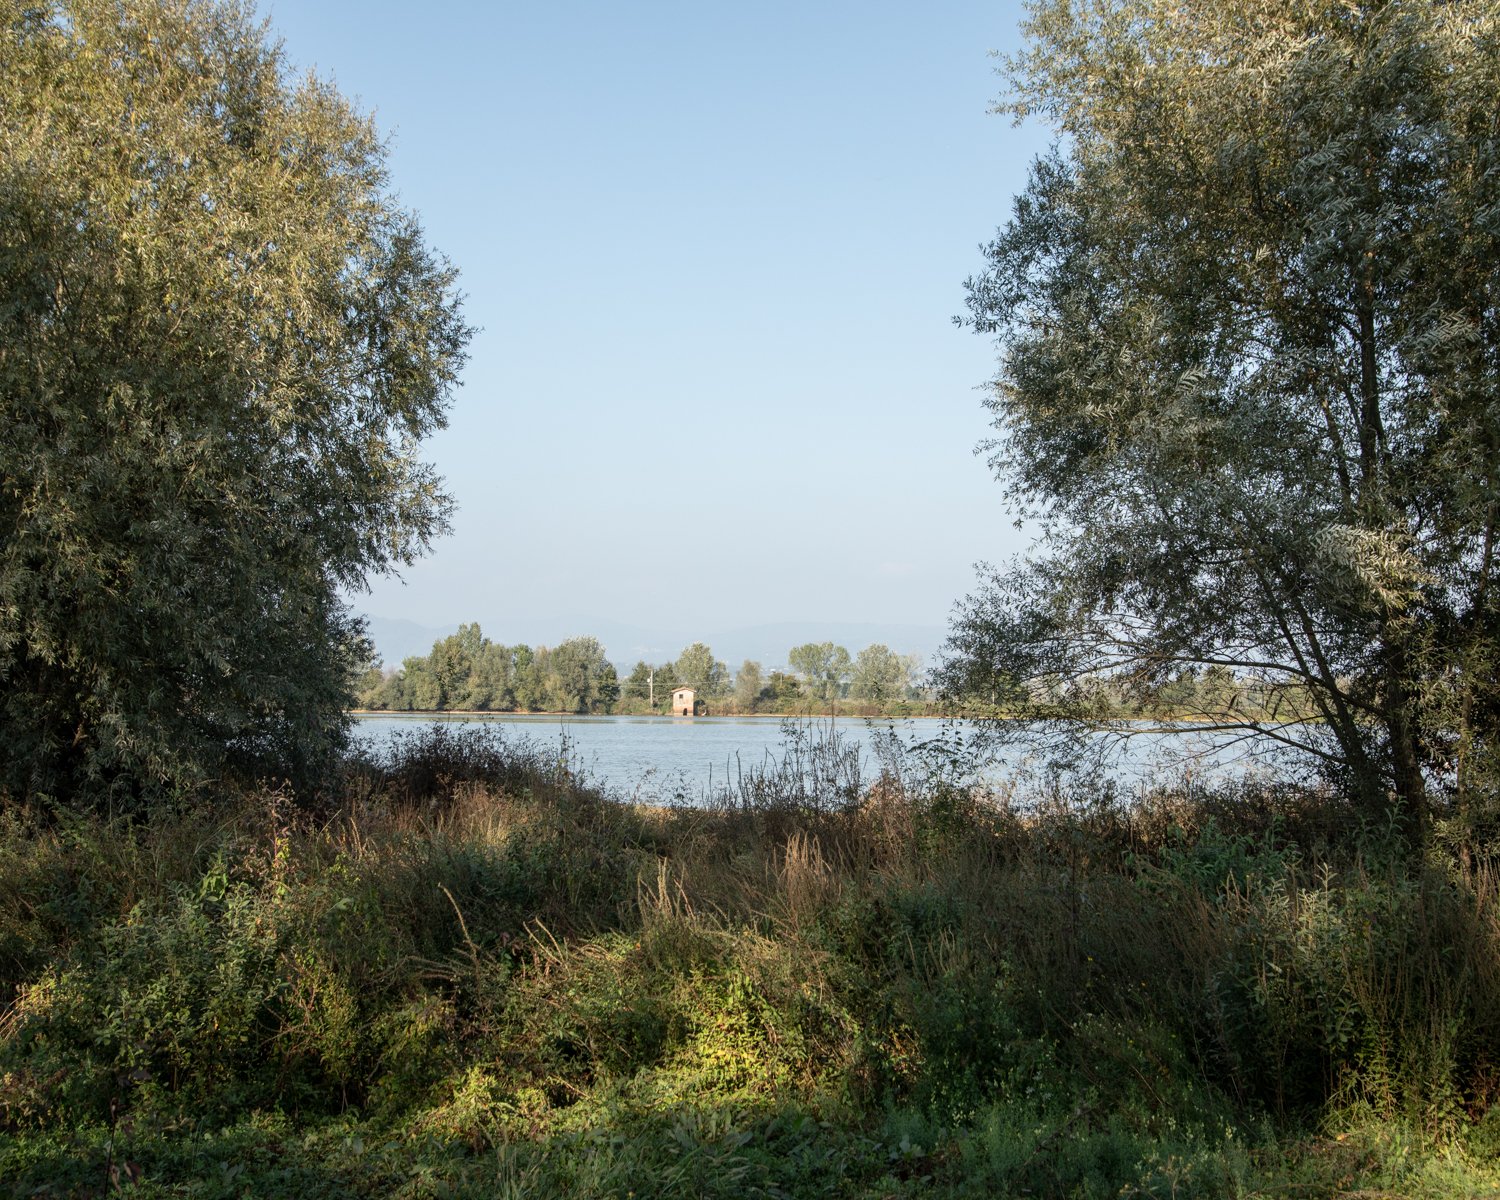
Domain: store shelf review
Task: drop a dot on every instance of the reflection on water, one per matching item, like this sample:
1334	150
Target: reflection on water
660	758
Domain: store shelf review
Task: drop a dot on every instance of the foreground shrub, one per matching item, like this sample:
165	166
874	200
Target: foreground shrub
520	987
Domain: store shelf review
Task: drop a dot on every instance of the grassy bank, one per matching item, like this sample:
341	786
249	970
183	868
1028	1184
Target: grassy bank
472	976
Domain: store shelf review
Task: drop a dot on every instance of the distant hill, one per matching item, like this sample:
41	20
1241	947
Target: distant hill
396	639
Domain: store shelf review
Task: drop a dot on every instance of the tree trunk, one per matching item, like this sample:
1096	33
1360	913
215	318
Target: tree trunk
1408	807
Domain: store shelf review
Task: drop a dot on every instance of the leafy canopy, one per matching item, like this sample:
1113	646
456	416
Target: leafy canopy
825	668
697	668
1249	318
881	675
221	341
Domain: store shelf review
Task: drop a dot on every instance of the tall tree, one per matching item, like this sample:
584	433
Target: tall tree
421	688
575	676
666	682
606	688
697	668
825	668
452	664
639	684
1249	314
221	341
749	681
879	675
531	684
492	683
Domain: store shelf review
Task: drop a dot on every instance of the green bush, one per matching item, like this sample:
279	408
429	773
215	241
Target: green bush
175	1001
513	986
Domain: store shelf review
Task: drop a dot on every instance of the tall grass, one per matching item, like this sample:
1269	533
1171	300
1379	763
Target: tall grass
478	976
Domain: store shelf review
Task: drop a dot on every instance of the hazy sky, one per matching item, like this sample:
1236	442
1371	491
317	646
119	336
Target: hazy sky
714	251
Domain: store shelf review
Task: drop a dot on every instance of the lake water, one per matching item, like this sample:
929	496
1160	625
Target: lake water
682	758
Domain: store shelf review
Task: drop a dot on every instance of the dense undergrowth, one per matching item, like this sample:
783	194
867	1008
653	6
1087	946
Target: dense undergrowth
476	976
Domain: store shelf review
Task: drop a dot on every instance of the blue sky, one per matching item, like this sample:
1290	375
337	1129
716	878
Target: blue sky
714	251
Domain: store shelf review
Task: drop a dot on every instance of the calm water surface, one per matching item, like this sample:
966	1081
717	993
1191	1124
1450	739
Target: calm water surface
644	755
662	757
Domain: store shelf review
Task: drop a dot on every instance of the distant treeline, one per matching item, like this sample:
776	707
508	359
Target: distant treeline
468	672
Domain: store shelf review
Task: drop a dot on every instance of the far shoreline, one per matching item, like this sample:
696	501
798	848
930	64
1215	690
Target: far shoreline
1162	723
502	715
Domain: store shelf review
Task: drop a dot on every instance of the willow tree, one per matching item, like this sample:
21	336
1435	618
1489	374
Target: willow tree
220	343
1249	319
